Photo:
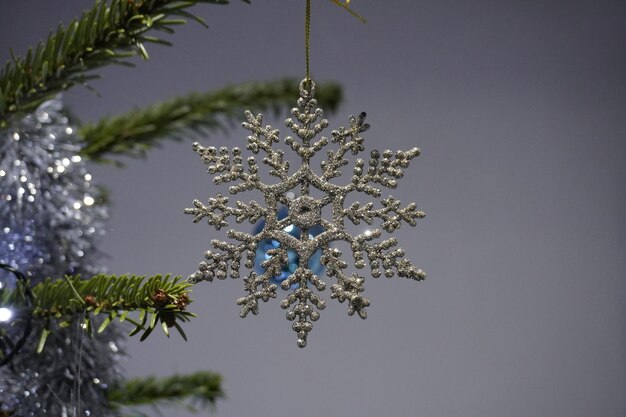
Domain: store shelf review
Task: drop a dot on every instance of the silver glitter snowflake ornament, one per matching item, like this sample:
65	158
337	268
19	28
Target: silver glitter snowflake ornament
305	211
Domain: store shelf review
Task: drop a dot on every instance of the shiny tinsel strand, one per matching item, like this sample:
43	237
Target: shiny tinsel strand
69	378
48	212
50	220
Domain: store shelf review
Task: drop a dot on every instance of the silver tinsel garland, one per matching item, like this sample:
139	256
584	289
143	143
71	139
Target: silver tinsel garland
48	215
50	220
293	190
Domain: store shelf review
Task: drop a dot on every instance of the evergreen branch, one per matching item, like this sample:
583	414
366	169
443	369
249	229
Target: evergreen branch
156	300
201	389
103	35
135	132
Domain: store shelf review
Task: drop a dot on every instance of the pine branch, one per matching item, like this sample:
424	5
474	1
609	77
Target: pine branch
201	389
103	35
135	132
155	300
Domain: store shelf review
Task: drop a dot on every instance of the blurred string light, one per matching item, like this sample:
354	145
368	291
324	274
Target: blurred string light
5	314
15	312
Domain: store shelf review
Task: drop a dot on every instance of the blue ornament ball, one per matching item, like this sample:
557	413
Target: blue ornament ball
293	262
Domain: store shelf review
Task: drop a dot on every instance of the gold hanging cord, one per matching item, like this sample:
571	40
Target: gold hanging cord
307	29
307	39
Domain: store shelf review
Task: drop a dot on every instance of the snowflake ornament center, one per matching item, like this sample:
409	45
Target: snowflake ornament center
305	212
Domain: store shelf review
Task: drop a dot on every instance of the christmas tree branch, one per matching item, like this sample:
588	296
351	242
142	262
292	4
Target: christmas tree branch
135	132
200	389
158	299
103	35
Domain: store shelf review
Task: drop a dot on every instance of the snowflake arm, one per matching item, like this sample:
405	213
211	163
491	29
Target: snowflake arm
349	140
230	168
385	172
347	287
259	286
383	254
391	214
218	264
216	211
262	139
303	299
306	115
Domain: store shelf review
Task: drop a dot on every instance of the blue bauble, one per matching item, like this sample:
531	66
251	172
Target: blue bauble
314	266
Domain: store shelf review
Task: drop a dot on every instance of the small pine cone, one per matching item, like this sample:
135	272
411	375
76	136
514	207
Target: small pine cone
160	298
90	300
182	302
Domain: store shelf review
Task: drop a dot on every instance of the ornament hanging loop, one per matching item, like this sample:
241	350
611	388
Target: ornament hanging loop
307	88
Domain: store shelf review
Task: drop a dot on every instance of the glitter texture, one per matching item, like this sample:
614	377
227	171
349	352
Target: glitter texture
305	212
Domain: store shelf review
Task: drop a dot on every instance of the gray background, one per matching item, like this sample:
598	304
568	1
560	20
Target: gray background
519	108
